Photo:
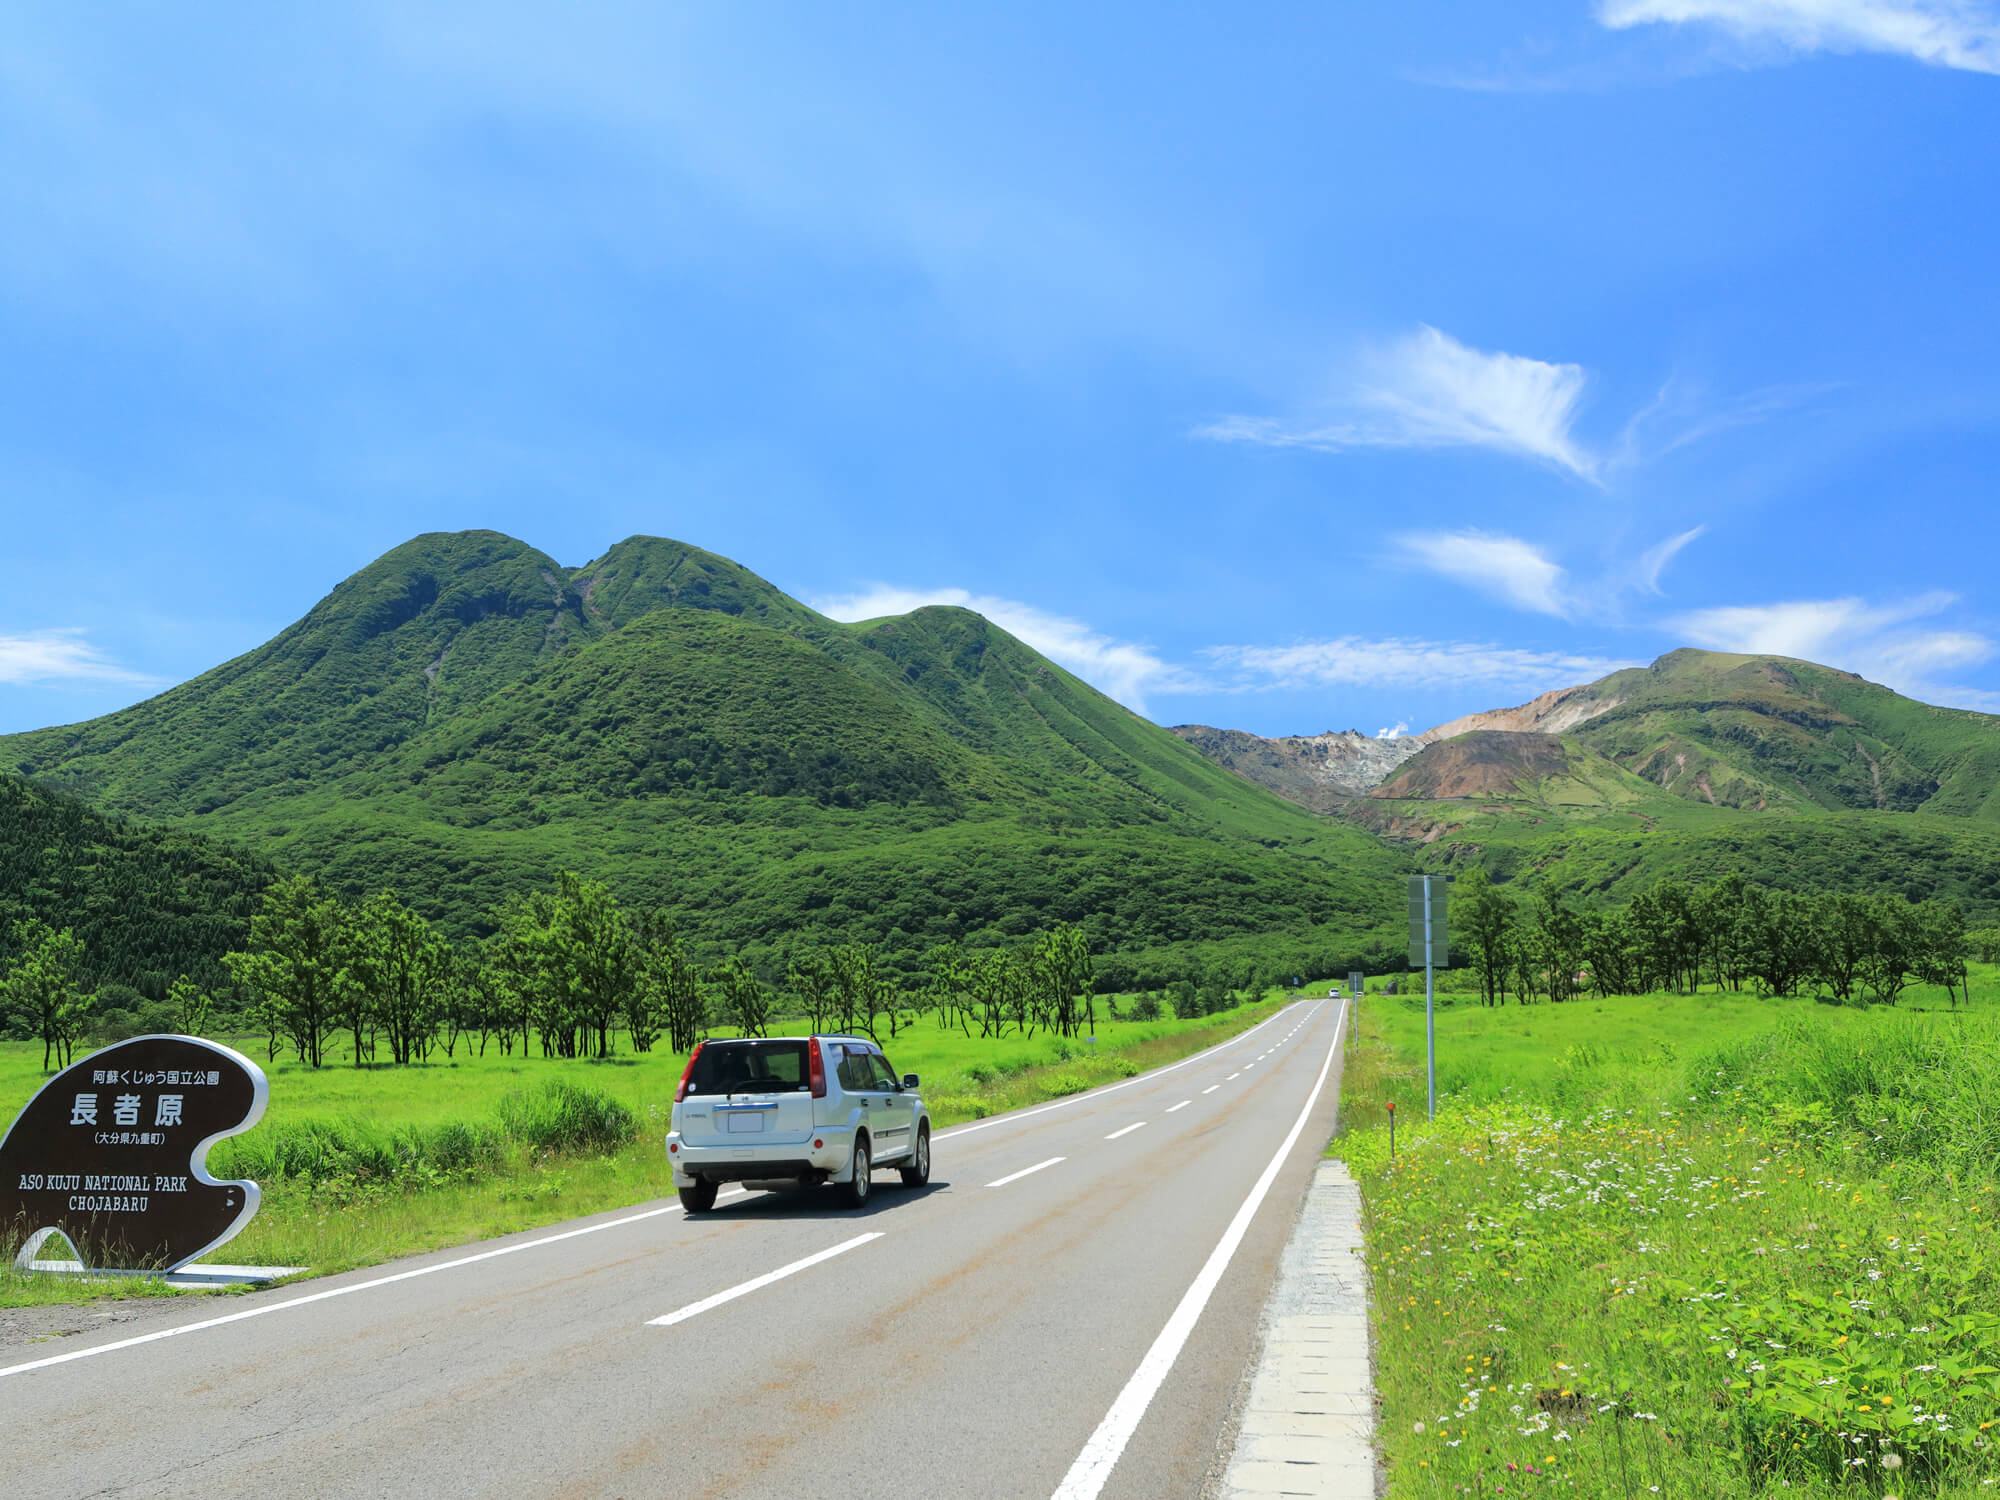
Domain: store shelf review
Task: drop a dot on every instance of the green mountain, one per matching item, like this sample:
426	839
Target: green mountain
465	715
1766	733
150	904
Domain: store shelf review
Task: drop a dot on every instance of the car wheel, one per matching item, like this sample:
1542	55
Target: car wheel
856	1191
918	1172
698	1199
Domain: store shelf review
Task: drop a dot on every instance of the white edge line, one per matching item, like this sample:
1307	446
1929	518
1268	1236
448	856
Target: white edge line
331	1292
694	1309
1182	1105
1109	1088
1017	1176
1100	1455
1127	1130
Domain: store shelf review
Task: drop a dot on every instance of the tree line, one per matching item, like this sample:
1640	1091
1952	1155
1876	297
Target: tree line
1727	932
566	970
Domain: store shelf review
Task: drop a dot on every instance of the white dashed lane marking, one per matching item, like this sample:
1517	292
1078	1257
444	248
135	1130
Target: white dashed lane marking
1017	1176
1182	1105
1126	1131
694	1309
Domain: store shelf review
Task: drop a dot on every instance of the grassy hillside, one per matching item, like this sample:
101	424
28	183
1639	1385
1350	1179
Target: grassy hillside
1759	732
465	715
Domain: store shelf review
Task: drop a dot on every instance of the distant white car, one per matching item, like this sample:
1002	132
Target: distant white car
778	1112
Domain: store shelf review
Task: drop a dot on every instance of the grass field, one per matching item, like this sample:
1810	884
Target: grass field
1707	1246
385	1161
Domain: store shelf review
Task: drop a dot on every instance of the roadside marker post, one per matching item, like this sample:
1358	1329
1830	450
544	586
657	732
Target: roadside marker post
1392	1130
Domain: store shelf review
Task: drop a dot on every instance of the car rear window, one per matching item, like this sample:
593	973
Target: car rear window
749	1067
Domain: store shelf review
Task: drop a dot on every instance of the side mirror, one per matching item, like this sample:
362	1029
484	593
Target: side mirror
909	1080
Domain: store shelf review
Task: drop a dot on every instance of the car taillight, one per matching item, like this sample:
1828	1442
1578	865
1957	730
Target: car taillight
682	1092
816	1068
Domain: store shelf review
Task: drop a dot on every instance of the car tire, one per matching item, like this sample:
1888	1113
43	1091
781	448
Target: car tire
698	1199
855	1189
918	1170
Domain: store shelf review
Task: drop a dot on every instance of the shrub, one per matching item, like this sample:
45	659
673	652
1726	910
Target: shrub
565	1116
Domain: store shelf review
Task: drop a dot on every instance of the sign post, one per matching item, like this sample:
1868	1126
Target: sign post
1430	943
112	1153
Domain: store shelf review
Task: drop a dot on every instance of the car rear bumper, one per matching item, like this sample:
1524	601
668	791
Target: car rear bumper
772	1163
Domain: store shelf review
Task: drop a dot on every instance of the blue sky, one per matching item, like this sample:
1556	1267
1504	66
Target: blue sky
1286	367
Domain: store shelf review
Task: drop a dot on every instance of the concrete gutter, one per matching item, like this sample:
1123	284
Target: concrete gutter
1308	1422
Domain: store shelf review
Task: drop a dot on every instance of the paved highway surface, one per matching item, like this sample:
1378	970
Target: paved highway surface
1067	1310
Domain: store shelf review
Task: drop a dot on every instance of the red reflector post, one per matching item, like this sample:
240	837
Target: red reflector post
681	1092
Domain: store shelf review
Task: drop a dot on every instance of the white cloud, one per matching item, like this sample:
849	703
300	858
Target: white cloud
1121	669
60	656
1430	391
1351	661
1884	643
1946	33
1653	561
1401	728
1501	567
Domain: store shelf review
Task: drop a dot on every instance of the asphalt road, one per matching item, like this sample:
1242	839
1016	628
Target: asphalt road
1078	1329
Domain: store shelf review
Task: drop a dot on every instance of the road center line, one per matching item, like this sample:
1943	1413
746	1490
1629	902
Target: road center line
1127	1130
332	1292
1211	1088
1182	1105
1100	1455
695	1309
1017	1176
1112	1088
1234	1076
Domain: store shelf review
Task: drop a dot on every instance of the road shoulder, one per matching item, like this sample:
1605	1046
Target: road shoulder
1308	1419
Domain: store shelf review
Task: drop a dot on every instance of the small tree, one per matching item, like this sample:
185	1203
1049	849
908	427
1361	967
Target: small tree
42	987
192	1005
296	964
1940	947
1485	916
741	996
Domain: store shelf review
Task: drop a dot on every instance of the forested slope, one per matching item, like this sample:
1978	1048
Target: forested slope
149	904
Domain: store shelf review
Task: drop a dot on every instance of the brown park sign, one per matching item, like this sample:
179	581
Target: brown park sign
113	1152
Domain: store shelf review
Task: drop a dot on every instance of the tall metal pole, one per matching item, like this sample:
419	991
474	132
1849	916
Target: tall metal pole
1430	1013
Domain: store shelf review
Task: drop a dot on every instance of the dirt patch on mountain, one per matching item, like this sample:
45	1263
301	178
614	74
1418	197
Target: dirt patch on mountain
1486	763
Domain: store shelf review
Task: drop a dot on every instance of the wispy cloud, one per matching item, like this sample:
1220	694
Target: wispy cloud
1885	643
61	656
1400	662
1945	33
1430	391
1122	669
1524	575
1654	560
1501	567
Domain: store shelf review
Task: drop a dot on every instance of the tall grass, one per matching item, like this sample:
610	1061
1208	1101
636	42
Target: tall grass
1636	1255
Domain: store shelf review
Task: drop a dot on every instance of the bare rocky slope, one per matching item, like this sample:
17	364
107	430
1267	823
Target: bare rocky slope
1319	771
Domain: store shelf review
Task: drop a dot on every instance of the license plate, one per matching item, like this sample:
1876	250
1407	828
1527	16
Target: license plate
747	1120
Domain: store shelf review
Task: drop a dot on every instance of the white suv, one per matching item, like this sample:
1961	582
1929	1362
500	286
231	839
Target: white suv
794	1112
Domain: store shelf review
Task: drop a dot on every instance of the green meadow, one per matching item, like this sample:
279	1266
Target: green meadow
1685	1245
360	1165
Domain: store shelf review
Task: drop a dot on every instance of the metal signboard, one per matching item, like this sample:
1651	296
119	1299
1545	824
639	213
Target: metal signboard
1355	980
1437	956
113	1152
